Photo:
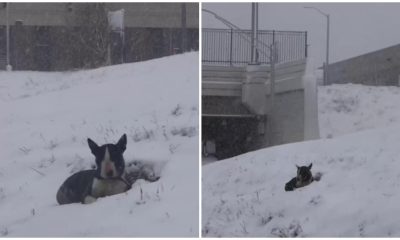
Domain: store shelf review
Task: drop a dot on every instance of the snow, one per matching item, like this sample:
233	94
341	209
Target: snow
350	108
116	20
357	195
208	159
46	120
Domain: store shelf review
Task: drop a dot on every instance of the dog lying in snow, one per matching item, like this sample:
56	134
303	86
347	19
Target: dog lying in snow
107	179
303	178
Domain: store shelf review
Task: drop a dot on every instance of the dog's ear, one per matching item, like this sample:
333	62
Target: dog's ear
297	167
93	146
122	142
309	166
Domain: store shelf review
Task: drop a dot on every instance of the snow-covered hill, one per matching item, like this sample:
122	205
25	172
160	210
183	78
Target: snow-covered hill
46	119
348	108
356	197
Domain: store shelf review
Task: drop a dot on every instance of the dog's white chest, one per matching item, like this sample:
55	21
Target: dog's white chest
107	187
300	184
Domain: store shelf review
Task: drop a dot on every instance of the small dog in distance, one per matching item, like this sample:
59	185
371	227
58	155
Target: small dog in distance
304	177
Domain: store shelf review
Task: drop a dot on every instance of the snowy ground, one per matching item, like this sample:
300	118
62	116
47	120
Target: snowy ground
349	108
359	191
46	119
208	159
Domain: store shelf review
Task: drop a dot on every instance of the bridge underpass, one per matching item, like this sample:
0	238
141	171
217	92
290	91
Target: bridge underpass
230	126
236	103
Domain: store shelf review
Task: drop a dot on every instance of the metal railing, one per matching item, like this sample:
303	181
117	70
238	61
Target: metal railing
230	47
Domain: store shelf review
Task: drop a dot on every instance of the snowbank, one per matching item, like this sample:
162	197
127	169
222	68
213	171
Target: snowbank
349	108
46	119
356	197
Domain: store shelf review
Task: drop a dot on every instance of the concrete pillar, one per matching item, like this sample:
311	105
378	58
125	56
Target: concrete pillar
311	123
254	89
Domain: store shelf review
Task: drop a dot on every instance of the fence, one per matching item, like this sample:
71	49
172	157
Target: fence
230	47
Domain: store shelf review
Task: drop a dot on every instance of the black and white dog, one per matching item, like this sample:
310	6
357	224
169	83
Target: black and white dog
303	178
107	179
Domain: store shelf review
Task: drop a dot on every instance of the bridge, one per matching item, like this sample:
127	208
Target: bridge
237	111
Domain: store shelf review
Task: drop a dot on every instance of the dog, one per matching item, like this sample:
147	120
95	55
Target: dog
303	178
107	179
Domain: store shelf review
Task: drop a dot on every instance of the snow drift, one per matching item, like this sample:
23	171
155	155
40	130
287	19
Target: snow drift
349	108
46	120
357	195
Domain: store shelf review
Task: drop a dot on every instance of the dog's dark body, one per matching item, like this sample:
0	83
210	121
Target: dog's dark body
86	187
107	179
303	178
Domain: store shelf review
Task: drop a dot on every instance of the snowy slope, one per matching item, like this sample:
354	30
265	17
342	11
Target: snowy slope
357	196
348	108
46	120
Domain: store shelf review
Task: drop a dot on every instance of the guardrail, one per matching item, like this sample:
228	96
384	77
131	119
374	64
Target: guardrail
230	47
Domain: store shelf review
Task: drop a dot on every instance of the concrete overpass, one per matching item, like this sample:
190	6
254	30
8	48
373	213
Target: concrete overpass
236	106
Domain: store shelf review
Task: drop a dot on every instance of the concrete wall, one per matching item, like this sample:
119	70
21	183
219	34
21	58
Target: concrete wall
222	81
39	14
249	89
285	120
376	68
310	83
239	81
288	125
159	15
152	15
257	83
152	30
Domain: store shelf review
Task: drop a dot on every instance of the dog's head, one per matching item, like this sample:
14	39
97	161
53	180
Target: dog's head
109	159
304	173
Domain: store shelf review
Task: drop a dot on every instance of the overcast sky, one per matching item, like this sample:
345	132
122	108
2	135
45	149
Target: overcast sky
355	28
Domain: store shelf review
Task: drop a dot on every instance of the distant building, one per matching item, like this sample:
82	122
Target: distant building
62	36
380	67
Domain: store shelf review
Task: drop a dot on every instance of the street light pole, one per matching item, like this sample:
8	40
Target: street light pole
326	67
327	51
8	66
254	33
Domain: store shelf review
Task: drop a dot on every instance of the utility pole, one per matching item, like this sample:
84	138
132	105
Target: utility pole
254	33
8	66
327	50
